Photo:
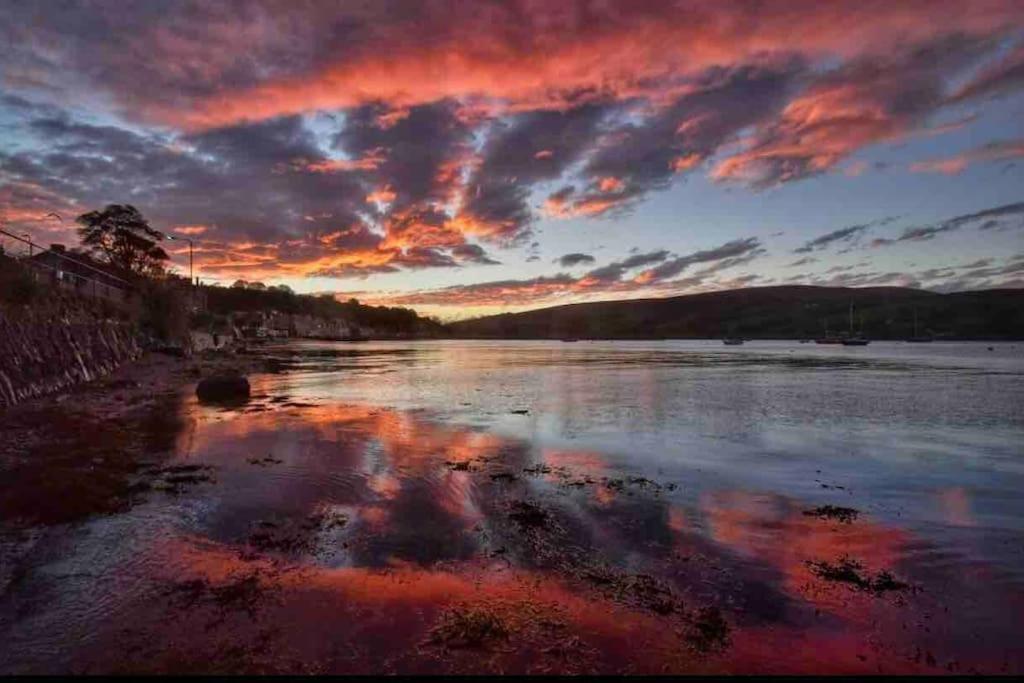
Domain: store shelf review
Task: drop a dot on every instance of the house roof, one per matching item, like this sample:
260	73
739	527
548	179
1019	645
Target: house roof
81	264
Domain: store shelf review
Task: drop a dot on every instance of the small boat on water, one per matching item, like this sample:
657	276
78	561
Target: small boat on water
732	341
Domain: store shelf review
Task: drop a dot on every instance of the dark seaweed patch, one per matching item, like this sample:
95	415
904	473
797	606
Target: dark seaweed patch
850	571
527	515
643	590
243	594
174	479
709	631
468	628
269	459
293	535
836	512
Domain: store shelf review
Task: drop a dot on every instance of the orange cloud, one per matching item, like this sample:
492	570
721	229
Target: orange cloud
841	75
946	166
814	132
551	53
383	195
585	206
685	163
367	163
191	229
995	151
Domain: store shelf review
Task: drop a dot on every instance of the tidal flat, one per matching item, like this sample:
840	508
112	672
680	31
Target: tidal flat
524	507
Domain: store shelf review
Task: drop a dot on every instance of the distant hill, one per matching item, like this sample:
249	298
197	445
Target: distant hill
790	312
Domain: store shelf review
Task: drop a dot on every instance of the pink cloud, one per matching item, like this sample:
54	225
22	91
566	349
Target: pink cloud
994	151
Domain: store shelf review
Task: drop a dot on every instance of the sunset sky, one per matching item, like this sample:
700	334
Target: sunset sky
471	157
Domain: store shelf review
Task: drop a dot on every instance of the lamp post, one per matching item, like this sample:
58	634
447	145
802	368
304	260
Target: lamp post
191	279
172	237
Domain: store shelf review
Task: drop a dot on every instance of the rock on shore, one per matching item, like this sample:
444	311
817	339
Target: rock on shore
223	387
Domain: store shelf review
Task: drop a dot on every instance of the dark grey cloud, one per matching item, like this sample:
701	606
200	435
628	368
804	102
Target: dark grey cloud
646	156
530	148
1000	78
227	178
842	235
745	279
574	259
733	253
473	253
998	217
995	216
167	56
425	257
412	146
733	261
615	270
985	273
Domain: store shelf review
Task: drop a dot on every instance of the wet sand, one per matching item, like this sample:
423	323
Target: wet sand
301	533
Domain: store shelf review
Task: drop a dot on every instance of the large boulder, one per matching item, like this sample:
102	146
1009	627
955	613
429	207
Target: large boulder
223	387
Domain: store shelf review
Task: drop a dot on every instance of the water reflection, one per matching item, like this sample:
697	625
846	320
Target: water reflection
438	515
345	536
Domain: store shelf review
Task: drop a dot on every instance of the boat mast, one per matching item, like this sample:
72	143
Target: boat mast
851	318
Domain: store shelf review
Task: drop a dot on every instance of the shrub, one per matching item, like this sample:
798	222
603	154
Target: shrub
165	312
17	286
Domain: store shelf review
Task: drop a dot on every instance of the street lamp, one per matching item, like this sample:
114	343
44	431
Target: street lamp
172	237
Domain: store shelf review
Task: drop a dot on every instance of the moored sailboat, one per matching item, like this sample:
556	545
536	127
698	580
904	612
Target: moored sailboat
854	340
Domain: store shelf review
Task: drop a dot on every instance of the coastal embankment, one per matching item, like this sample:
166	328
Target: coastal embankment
42	352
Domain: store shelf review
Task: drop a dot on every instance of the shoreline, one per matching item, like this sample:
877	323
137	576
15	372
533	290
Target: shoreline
48	484
199	530
54	478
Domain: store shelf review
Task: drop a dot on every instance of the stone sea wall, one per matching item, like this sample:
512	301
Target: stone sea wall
42	353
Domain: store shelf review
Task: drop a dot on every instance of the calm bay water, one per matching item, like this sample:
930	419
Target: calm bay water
549	506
